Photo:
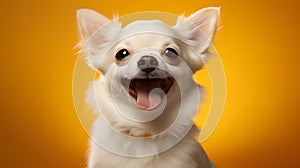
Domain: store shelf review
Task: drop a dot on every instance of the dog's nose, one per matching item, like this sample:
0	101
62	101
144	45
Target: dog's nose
147	63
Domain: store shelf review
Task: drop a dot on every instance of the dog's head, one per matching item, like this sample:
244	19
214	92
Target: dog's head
146	62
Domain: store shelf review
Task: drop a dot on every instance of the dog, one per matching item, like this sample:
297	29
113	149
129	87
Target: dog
146	96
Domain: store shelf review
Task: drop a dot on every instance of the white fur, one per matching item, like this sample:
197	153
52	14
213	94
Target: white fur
113	133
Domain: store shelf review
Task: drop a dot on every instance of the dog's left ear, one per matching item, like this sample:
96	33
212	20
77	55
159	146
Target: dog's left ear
198	31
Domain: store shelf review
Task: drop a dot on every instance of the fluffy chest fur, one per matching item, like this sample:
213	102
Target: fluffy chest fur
186	154
108	140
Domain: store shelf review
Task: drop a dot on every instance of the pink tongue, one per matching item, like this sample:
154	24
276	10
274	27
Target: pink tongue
146	101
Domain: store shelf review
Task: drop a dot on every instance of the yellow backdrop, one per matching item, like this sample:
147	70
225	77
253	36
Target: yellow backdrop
258	45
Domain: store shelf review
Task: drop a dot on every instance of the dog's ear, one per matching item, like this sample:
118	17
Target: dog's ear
198	31
96	31
89	21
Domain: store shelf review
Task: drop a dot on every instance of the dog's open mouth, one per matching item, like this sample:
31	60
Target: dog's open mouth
148	92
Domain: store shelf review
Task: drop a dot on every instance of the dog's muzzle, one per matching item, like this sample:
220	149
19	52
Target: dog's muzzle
150	85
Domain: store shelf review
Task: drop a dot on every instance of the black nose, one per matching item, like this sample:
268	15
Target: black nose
147	63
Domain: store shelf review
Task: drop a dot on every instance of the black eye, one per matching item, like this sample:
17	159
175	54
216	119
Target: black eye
122	54
171	53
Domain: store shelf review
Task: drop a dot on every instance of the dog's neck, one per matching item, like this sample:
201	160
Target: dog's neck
112	140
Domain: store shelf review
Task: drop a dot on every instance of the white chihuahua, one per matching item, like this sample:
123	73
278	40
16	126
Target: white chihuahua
146	94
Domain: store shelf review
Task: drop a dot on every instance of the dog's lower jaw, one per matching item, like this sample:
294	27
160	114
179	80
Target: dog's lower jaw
188	153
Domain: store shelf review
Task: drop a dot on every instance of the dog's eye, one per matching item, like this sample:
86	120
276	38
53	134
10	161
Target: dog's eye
122	54
171	53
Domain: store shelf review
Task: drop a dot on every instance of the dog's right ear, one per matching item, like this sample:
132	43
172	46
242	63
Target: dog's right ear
89	21
95	32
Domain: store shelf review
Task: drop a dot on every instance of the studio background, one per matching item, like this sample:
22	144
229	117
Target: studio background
258	45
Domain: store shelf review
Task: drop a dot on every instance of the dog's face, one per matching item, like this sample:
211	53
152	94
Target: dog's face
147	63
